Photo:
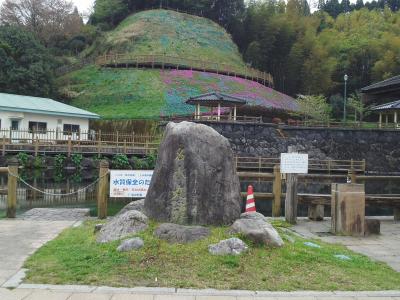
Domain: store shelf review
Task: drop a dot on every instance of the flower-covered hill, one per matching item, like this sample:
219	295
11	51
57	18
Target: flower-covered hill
133	93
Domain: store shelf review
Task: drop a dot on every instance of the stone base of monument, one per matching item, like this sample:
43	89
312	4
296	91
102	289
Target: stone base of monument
316	212
348	209
372	226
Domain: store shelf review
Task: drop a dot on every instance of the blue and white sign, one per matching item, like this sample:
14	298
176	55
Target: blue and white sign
129	184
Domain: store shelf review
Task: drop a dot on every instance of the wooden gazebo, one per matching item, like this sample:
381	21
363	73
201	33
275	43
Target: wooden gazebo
218	100
387	110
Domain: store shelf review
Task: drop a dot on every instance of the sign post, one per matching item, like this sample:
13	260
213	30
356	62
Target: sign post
292	163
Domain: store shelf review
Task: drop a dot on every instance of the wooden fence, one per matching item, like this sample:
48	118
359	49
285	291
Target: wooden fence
262	164
84	142
350	125
126	60
312	200
215	118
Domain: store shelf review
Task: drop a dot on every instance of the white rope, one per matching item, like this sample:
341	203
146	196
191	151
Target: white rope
54	194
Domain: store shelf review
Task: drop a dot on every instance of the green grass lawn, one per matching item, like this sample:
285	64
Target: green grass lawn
75	258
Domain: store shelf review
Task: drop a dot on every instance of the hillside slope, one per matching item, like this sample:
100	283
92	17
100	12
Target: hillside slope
173	34
133	93
150	93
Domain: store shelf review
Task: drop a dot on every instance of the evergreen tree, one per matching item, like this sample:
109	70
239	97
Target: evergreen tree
25	63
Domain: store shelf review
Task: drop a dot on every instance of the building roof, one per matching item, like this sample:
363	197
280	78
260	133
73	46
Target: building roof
18	103
387	106
212	99
390	83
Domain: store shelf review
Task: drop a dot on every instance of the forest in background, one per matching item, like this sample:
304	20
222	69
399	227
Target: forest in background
306	52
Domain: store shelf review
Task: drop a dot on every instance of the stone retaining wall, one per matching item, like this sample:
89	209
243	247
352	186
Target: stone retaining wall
380	148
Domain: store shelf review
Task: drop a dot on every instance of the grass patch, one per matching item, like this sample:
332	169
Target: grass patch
75	258
112	208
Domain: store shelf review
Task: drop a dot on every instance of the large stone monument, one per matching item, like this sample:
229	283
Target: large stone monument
195	179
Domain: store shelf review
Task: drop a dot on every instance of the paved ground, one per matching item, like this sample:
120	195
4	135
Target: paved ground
103	293
384	247
21	237
55	214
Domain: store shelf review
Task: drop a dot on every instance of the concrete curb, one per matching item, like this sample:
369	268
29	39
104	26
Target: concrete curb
205	292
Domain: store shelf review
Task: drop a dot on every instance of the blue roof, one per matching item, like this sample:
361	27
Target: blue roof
10	102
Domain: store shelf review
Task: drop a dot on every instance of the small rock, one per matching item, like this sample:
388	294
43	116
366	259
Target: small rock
253	216
174	233
290	239
131	244
120	226
312	245
134	205
258	230
232	246
97	227
342	257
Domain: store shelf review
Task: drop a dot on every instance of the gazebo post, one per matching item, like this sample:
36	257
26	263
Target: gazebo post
380	120
387	119
234	113
395	118
219	111
198	111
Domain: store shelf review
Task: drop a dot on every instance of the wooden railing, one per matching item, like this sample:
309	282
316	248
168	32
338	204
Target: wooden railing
263	164
85	142
350	125
163	61
222	118
276	196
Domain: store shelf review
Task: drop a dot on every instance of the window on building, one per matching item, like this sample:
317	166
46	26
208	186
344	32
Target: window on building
37	126
70	128
14	124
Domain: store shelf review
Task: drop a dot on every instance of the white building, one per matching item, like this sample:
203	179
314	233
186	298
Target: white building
21	117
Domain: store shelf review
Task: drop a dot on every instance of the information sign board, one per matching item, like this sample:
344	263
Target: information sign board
294	163
129	184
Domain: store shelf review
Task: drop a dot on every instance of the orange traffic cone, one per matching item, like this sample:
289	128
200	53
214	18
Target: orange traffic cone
250	203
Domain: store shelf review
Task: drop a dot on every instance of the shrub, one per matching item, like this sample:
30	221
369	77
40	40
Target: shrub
151	161
38	162
59	161
23	159
120	161
139	163
77	159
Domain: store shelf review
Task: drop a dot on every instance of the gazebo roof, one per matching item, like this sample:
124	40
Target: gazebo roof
212	99
387	106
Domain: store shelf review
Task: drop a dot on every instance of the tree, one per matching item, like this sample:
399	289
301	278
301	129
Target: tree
314	107
45	18
108	13
360	109
26	66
